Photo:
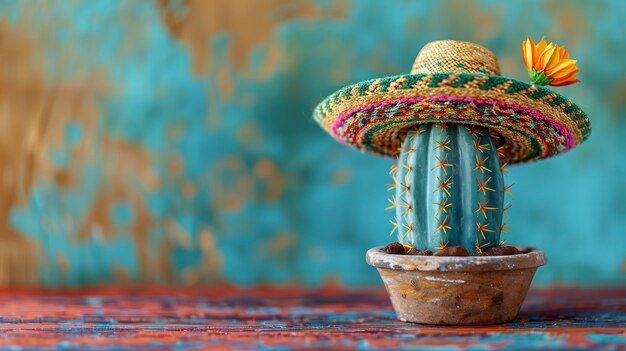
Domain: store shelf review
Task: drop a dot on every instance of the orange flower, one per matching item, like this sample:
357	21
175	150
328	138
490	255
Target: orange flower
548	64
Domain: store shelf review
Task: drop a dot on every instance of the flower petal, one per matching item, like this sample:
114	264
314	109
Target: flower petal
565	53
541	47
560	83
561	68
528	52
568	76
547	58
554	61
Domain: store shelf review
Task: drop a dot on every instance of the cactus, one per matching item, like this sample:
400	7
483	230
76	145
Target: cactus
449	189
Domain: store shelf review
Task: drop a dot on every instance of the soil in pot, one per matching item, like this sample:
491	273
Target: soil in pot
397	248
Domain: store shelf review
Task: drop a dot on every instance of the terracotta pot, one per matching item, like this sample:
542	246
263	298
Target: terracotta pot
451	290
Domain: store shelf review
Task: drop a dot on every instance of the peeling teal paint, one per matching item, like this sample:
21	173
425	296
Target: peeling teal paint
122	214
606	339
59	158
74	133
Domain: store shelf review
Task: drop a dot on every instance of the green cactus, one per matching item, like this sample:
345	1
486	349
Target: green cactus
449	189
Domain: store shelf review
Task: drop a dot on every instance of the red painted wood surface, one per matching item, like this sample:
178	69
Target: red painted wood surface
273	318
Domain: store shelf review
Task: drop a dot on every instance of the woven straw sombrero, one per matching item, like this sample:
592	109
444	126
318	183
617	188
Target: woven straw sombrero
454	82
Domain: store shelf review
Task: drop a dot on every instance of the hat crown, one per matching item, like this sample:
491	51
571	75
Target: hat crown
452	56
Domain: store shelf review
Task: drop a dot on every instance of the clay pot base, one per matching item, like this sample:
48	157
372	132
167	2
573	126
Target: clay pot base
457	290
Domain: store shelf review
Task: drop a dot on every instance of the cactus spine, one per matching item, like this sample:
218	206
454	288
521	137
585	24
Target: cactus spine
449	189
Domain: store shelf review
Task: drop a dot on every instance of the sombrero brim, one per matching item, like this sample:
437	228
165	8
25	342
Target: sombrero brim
374	115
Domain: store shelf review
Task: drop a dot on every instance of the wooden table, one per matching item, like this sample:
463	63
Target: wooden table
280	319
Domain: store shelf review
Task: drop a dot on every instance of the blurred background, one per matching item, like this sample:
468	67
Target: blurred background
171	142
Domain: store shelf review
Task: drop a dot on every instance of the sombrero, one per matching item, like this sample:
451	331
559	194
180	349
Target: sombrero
454	82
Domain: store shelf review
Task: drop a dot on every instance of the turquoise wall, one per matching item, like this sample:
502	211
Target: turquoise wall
172	141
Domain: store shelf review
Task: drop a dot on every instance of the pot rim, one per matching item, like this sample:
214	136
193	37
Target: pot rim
530	258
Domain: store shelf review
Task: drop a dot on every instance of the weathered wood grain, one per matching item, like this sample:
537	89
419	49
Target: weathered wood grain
280	319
